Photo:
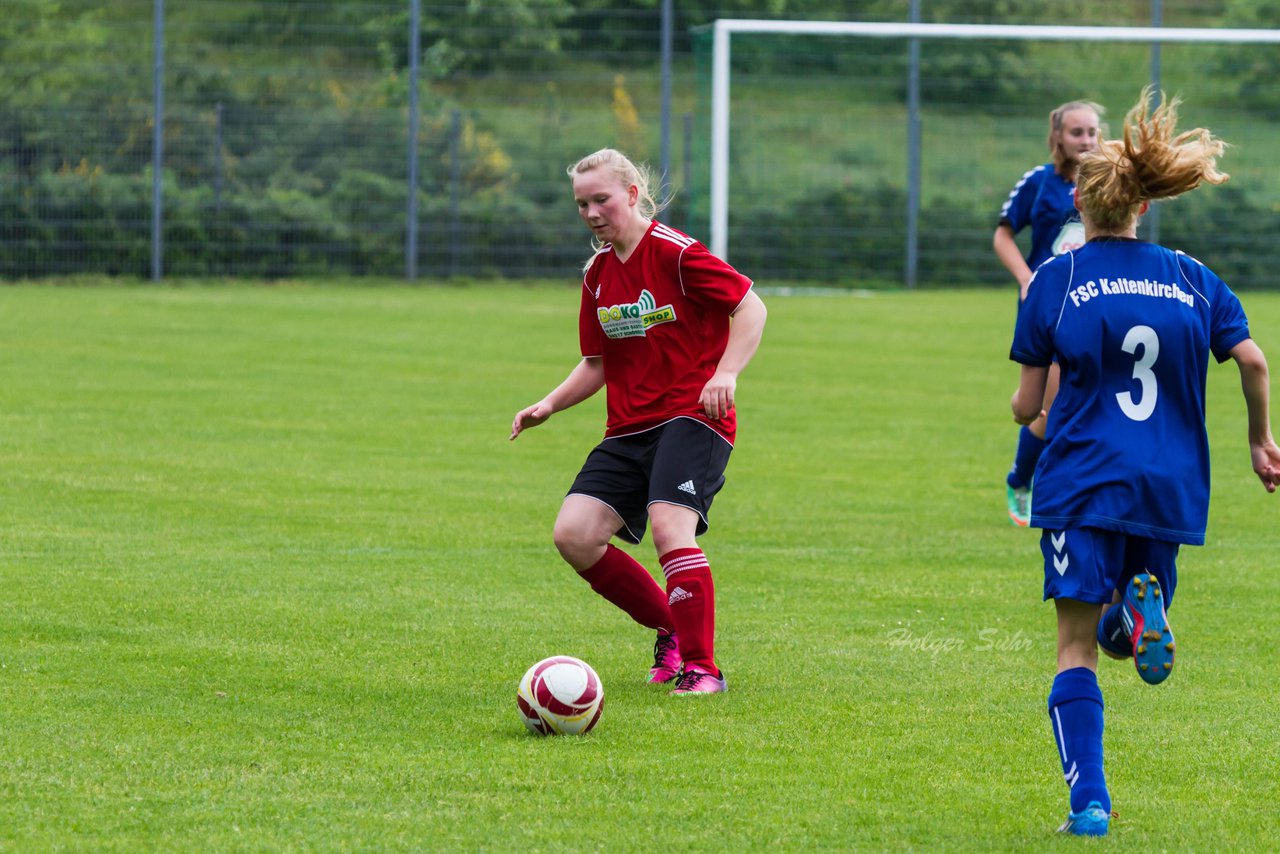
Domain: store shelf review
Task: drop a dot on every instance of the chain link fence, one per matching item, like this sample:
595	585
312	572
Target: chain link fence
282	130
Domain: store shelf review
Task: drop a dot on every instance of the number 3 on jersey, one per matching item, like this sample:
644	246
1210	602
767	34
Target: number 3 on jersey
1141	409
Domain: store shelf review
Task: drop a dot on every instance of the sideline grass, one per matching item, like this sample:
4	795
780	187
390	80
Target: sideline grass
270	571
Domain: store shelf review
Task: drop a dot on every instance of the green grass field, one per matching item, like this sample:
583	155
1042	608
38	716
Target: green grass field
270	572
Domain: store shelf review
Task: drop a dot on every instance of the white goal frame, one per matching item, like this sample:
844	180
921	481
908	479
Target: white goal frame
724	28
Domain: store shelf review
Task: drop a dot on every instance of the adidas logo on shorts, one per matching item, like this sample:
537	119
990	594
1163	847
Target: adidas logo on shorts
687	486
679	595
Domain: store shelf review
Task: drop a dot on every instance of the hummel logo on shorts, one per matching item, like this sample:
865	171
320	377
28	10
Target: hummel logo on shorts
687	486
679	595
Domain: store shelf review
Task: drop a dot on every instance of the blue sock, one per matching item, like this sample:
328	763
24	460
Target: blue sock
1112	635
1024	461
1075	710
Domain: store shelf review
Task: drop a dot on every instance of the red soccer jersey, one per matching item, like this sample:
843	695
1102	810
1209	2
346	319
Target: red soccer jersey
661	323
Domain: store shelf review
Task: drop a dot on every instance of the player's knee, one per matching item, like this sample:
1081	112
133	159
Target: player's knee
567	537
578	544
673	528
664	540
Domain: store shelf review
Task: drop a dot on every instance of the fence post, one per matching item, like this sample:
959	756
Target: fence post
455	186
411	213
668	15
1152	219
217	158
913	152
688	171
157	143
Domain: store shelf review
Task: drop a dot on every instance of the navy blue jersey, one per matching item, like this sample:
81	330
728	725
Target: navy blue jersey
1042	199
1131	325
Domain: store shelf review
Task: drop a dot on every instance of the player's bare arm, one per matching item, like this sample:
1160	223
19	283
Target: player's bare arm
584	380
1028	400
1255	382
1010	256
716	398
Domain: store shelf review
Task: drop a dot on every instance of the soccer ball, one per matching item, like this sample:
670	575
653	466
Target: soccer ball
560	695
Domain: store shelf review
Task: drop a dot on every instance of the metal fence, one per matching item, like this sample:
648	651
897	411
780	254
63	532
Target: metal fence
390	138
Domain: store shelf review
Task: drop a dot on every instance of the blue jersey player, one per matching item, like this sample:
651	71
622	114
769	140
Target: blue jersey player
1042	199
1124	479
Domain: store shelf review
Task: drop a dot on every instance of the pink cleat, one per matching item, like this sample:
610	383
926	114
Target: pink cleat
695	680
666	658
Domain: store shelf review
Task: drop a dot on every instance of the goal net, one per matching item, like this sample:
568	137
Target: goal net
832	156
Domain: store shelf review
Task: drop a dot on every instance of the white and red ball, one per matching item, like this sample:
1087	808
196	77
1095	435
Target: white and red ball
560	695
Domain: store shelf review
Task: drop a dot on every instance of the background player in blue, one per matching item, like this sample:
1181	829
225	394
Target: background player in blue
1042	199
1124	479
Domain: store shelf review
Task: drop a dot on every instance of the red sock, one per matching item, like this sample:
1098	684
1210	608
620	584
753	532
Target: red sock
618	578
692	598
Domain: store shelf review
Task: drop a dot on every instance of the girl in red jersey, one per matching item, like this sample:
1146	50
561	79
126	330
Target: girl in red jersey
665	327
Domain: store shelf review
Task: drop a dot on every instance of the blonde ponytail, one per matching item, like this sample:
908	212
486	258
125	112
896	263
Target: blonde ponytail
1151	161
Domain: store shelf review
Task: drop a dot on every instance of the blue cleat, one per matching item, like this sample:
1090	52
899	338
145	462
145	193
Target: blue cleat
1115	641
1090	821
1143	615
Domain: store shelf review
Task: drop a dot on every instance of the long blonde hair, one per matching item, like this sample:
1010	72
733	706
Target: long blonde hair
627	173
1151	161
1060	159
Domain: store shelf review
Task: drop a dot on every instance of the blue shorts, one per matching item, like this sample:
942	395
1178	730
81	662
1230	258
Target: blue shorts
1089	564
680	462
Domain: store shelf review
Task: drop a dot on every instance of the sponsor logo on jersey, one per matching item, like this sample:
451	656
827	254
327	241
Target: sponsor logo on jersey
632	320
1070	237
